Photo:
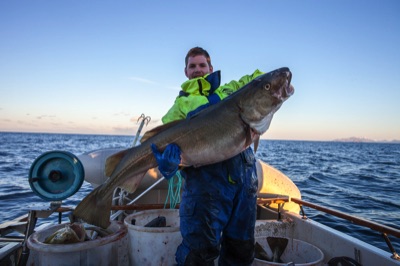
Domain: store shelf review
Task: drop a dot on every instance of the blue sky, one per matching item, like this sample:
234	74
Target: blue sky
94	67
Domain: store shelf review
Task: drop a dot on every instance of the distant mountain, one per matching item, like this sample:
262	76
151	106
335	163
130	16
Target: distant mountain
354	139
358	139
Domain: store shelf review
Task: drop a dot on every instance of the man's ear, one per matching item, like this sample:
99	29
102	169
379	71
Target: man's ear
186	73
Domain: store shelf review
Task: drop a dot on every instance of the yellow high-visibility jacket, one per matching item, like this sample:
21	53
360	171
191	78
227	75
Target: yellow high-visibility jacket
195	92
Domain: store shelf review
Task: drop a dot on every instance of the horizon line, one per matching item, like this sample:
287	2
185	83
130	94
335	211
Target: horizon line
349	139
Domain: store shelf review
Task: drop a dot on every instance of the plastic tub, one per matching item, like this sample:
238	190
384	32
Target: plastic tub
153	245
299	252
109	250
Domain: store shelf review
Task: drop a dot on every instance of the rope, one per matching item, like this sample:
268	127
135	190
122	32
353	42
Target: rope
174	190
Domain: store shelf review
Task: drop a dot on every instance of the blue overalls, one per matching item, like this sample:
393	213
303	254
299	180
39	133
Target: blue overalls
218	212
219	207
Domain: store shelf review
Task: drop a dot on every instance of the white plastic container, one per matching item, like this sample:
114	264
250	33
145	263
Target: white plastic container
153	245
299	252
109	250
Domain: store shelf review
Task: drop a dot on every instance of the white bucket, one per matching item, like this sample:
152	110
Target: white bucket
109	250
299	252
153	245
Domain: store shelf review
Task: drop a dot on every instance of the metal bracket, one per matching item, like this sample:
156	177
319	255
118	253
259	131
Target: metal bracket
394	256
303	213
30	227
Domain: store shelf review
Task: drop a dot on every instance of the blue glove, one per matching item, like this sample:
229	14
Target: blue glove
169	160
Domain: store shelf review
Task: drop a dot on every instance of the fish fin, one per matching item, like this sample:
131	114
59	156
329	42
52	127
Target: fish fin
94	209
132	183
248	137
256	141
113	161
156	130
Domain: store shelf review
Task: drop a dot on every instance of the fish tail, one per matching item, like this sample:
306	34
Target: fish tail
94	209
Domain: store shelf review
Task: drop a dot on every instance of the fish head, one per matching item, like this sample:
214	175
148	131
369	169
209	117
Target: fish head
263	97
278	82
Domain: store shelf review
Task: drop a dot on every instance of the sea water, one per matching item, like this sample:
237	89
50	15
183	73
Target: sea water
361	179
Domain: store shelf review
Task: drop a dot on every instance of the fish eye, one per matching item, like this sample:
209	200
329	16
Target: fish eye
267	86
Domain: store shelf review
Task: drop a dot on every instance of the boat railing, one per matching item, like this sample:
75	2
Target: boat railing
383	229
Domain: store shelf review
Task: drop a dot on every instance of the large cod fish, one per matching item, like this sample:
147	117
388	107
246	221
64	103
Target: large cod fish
215	134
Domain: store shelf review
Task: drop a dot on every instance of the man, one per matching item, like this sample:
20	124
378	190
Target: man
218	207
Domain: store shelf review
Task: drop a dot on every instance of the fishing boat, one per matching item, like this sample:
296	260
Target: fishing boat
283	230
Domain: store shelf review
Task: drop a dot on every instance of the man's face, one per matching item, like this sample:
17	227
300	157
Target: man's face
197	66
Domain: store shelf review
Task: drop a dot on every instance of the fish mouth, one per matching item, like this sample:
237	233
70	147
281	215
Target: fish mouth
289	89
285	88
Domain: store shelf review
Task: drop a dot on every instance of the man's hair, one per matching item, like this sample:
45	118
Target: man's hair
198	51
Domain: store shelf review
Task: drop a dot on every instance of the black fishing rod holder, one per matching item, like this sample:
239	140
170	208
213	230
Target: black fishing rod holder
33	216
